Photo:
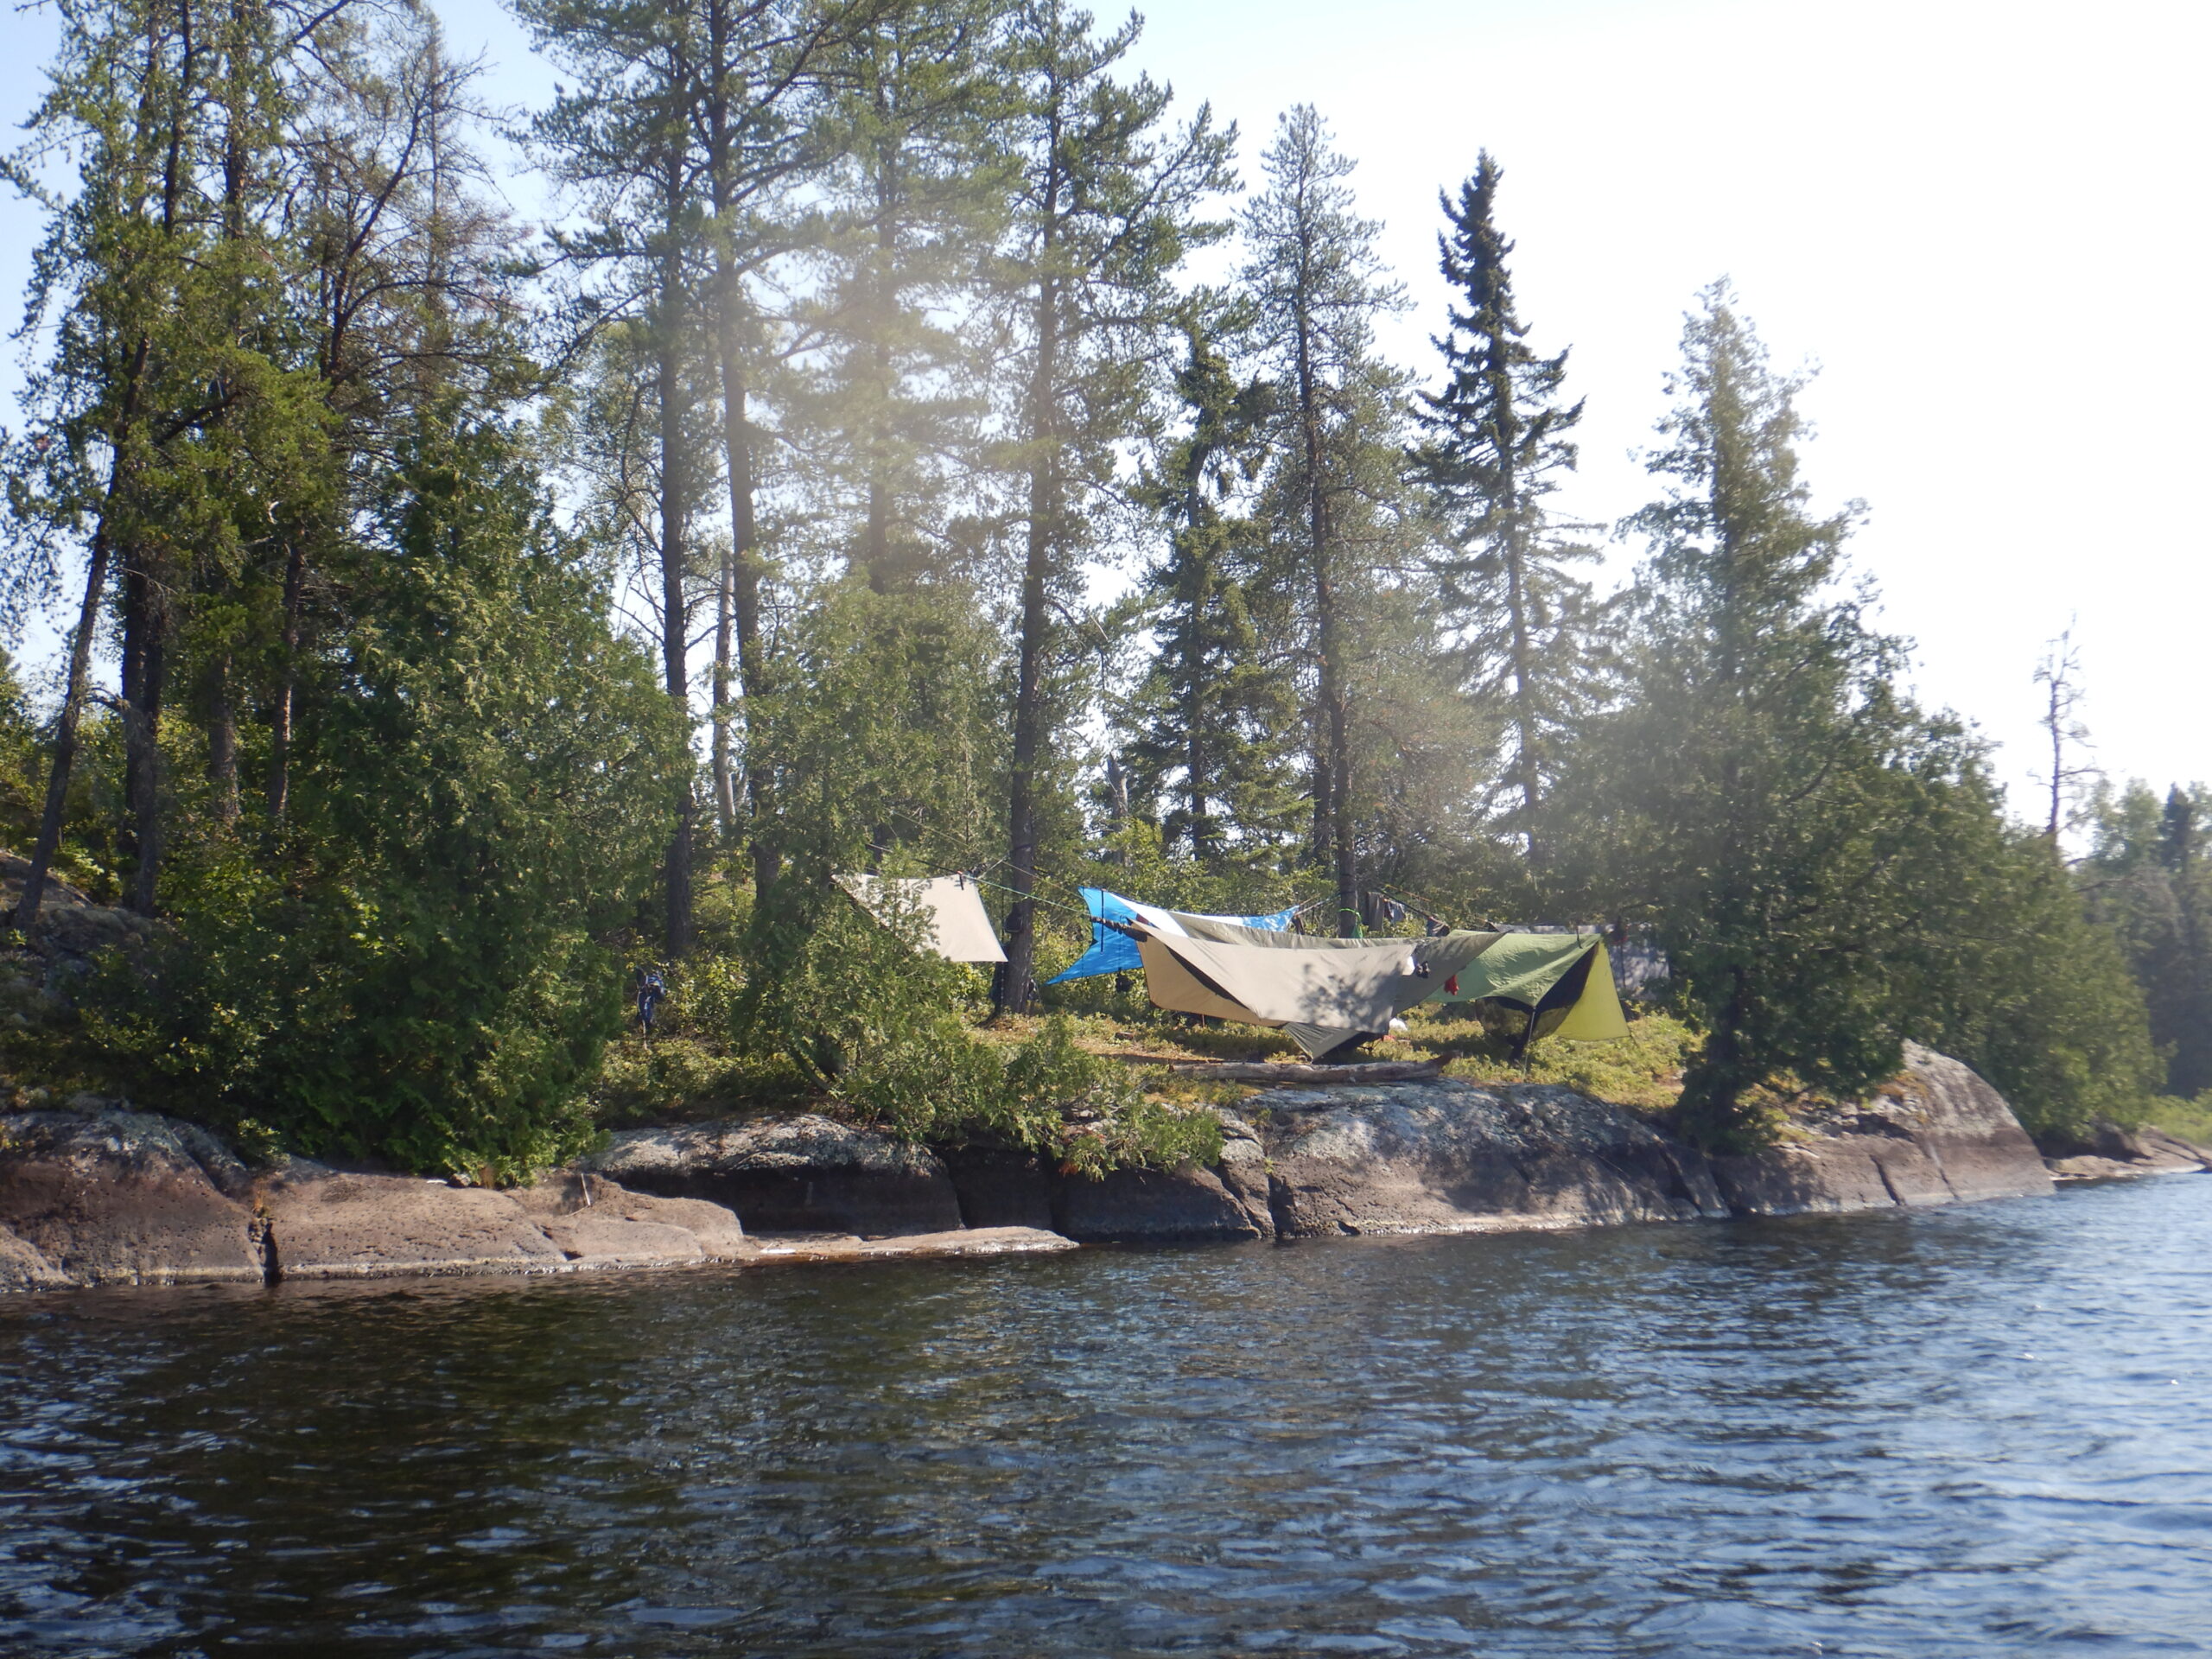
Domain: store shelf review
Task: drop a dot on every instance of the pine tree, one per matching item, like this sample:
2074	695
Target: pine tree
1216	708
1316	282
1755	799
624	137
1107	205
172	418
915	194
1497	443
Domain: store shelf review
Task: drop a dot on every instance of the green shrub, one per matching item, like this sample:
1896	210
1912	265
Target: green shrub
414	966
877	1024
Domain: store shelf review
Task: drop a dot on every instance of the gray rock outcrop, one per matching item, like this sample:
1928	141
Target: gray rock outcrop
327	1225
1937	1134
790	1174
101	1195
2109	1153
1446	1156
1224	1200
107	1196
1449	1157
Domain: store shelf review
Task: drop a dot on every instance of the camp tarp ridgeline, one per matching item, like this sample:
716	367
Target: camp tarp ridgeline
1326	992
960	930
1116	953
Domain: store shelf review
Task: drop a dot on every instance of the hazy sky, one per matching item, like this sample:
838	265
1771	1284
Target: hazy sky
1982	221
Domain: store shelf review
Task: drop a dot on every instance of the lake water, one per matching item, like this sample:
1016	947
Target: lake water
1965	1432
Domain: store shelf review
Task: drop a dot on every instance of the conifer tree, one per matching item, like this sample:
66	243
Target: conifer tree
1106	205
171	417
757	98
916	183
1752	794
1216	708
2148	878
625	137
1497	440
1317	286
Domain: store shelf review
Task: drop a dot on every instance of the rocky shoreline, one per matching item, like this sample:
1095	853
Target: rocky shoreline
97	1194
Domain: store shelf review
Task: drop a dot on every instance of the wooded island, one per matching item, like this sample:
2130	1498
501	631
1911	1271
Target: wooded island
918	447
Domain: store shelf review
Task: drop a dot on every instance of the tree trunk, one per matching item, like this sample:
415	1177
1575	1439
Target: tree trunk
145	643
65	737
288	674
1332	811
675	618
745	572
745	593
222	742
724	778
1029	676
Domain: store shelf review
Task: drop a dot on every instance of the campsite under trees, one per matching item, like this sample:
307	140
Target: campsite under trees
862	476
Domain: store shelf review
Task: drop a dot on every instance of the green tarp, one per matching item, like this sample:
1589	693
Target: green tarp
1327	992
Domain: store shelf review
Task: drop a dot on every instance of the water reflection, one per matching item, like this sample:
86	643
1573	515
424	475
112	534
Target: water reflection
1969	1432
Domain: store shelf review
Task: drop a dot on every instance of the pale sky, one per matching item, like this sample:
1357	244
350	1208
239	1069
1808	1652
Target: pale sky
1975	217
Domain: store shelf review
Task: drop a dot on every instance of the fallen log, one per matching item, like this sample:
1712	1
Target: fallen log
1293	1071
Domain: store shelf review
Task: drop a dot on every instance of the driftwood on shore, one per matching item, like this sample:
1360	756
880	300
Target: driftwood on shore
1293	1072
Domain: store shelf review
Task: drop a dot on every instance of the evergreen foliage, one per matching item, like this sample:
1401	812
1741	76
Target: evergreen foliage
1216	709
1756	790
1498	438
1317	288
864	364
2148	879
1108	200
420	972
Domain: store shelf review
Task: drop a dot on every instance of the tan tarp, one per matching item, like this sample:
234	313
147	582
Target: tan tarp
1325	992
952	905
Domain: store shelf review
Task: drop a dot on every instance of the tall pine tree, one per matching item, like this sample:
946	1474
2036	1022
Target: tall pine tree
1497	441
1107	204
1317	282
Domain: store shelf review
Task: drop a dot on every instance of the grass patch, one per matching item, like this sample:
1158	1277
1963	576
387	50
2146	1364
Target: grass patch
2189	1119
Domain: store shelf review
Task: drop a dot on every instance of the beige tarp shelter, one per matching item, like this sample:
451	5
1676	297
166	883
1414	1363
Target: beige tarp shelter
960	930
1327	992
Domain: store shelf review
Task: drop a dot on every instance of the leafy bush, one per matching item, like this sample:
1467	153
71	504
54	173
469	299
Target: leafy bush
876	1023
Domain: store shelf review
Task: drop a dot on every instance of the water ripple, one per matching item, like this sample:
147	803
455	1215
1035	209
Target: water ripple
1958	1433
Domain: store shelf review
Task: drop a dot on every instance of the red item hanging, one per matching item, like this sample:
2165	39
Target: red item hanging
1451	986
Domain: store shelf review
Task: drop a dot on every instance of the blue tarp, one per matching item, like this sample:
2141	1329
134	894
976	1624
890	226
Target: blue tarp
1116	953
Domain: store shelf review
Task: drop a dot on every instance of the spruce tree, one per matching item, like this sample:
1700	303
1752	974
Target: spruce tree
1317	284
1216	710
1497	441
